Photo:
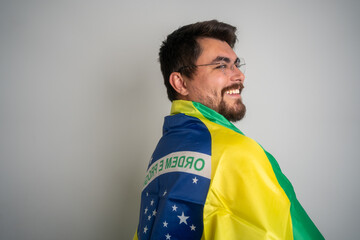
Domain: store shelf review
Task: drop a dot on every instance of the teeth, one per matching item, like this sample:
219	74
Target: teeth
235	91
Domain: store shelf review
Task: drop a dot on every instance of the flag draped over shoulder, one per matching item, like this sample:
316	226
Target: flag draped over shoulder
206	180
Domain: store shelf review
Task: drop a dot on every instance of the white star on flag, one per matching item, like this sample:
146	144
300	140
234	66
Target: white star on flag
145	229
165	193
192	227
168	236
147	194
149	217
152	202
165	224
146	209
154	212
174	208
183	218
195	180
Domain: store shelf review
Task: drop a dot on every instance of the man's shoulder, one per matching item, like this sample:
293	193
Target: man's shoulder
183	133
182	125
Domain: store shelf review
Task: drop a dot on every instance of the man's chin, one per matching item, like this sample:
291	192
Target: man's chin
233	114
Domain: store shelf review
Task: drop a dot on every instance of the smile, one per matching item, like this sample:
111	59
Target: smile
231	92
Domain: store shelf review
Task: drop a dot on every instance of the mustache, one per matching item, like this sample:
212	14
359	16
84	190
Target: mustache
234	86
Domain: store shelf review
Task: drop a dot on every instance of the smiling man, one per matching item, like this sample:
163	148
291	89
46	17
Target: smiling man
206	179
219	81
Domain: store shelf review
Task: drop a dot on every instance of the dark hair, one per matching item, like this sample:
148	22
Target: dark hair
182	49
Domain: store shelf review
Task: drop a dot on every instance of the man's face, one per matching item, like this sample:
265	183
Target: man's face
215	87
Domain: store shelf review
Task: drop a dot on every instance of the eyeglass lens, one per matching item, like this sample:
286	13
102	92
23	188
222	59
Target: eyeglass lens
230	67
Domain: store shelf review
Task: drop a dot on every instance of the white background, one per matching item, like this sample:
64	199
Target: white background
82	105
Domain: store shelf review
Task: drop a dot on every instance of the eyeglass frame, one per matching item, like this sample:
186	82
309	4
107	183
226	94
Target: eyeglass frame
220	61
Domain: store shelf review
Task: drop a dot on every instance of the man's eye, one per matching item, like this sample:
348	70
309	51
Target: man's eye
221	66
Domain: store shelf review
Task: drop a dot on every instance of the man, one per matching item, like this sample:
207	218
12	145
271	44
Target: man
205	179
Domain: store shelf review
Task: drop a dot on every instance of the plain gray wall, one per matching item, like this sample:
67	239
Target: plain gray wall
82	106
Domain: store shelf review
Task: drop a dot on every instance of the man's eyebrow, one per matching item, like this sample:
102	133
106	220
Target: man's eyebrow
225	59
220	58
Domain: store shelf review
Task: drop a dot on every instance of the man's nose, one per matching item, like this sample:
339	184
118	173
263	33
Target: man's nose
237	75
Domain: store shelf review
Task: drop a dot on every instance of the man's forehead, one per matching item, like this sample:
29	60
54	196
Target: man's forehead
213	50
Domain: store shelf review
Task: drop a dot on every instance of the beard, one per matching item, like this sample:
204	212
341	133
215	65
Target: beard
233	113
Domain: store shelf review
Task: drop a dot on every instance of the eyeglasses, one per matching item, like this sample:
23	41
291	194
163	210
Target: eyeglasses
224	65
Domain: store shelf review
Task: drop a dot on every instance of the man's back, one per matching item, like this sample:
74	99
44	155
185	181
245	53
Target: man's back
248	196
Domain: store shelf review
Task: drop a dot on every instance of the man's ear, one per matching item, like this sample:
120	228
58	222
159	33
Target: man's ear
178	83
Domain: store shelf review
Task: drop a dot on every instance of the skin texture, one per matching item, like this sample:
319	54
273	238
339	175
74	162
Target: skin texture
210	84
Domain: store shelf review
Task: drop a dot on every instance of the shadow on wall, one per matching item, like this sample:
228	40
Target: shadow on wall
127	108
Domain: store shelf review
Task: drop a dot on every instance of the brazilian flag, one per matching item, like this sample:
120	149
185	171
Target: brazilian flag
207	180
